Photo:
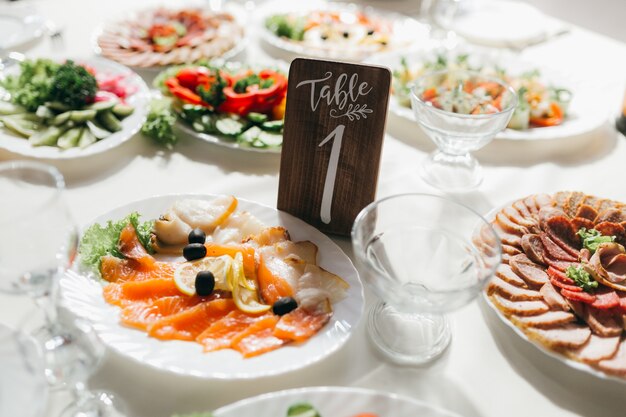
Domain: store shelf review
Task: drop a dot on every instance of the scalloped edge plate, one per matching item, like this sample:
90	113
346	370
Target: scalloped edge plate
82	295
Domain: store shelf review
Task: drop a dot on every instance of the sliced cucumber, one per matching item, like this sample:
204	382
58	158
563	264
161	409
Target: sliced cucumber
520	119
97	131
47	137
108	120
7	108
81	116
102	105
273	125
271	139
87	138
208	123
122	110
21	125
45	113
229	126
250	135
70	138
302	410
59	119
257	118
56	106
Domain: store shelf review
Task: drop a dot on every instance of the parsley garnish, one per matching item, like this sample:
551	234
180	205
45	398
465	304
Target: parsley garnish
581	278
214	94
592	238
241	86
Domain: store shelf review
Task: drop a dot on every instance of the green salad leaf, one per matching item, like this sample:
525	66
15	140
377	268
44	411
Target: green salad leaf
31	87
592	239
581	278
159	124
98	240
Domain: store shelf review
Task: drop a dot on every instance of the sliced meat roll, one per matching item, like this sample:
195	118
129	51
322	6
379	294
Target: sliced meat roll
568	336
617	364
547	320
596	349
519	308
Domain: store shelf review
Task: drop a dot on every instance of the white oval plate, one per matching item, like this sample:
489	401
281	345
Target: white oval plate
333	402
82	295
19	26
408	33
561	358
130	125
585	113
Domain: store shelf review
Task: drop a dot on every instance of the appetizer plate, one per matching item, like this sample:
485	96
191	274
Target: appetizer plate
333	402
82	295
408	33
130	125
490	217
585	114
19	26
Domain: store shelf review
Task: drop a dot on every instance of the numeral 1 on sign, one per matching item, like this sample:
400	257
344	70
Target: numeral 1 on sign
331	173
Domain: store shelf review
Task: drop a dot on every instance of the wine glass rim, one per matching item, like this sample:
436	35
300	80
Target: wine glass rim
54	173
480	218
429	106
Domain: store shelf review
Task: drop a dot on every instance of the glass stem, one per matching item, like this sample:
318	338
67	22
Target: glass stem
47	303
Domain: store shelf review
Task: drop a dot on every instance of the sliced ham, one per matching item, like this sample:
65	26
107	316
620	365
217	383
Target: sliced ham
554	250
596	349
508	226
519	308
567	336
617	364
528	270
533	248
608	265
602	323
560	199
505	272
516	217
553	298
522	209
507	238
543	200
511	292
562	231
510	250
546	320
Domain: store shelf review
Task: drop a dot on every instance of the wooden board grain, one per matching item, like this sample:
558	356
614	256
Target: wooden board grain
334	127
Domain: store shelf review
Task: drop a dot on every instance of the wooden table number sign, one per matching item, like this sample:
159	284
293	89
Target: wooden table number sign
334	128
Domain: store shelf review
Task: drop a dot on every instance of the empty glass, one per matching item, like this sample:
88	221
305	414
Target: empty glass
424	256
441	103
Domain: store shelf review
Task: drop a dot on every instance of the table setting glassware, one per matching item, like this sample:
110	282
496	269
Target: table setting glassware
38	246
424	256
442	107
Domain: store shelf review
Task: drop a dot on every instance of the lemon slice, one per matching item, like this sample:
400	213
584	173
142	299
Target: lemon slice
220	266
244	290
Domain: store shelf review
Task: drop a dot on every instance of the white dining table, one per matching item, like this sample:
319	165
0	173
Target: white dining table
487	371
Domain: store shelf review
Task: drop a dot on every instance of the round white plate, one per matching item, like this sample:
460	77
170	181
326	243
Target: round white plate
333	402
82	295
130	125
408	33
553	354
23	387
19	25
586	112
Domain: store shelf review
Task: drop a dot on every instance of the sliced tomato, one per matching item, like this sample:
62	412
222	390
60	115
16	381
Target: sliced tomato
579	296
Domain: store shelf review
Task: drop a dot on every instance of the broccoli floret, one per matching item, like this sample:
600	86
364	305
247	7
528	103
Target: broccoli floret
31	88
73	85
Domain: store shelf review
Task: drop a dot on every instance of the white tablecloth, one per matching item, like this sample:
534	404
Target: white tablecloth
487	371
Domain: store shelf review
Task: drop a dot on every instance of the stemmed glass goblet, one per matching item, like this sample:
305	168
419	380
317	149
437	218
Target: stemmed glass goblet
39	241
461	111
423	255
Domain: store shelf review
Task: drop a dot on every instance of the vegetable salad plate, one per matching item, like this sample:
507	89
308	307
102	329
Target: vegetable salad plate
561	282
63	110
338	30
213	287
230	104
331	402
19	26
552	105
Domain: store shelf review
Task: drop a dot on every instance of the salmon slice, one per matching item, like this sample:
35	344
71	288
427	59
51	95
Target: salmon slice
258	338
299	325
219	334
189	323
126	293
115	269
140	315
271	285
131	248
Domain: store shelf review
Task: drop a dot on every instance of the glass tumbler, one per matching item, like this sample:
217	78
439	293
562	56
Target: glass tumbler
423	255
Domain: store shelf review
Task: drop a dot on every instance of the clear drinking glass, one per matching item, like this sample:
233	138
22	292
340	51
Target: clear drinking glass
451	167
39	241
23	387
423	255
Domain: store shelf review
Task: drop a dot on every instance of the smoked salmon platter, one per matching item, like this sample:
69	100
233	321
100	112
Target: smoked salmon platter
214	287
562	280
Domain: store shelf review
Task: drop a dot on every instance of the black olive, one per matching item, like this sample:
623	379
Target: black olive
370	32
194	251
346	34
197	236
384	43
284	306
205	283
324	37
